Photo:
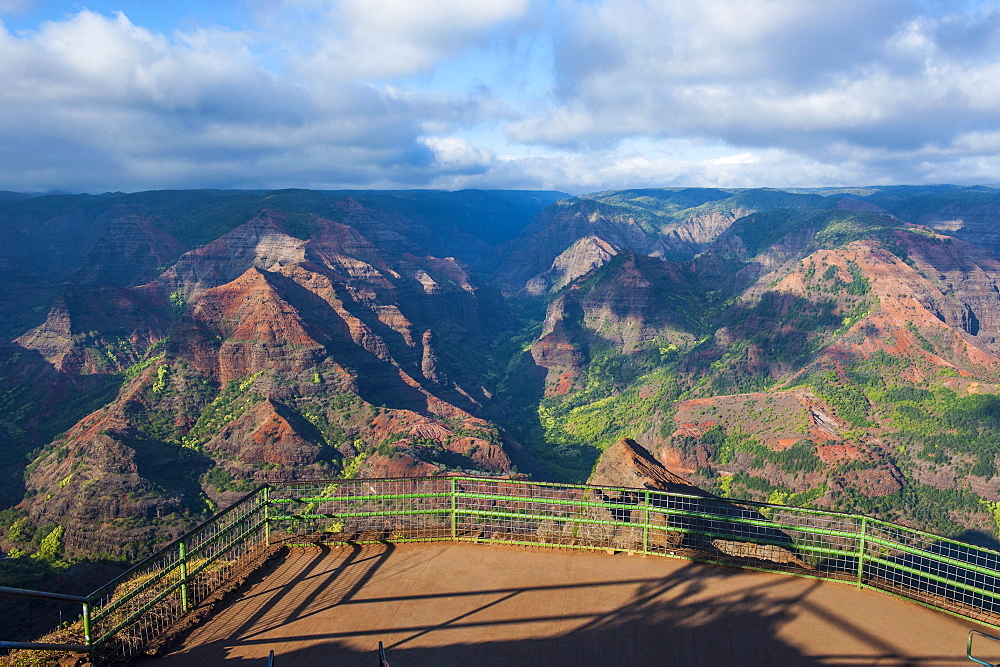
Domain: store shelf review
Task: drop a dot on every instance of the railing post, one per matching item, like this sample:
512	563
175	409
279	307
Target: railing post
645	527
454	508
86	631
182	554
861	551
266	493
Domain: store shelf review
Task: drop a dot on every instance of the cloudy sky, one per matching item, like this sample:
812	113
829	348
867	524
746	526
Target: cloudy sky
575	95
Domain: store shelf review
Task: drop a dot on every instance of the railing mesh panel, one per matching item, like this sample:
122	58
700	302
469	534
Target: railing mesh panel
934	570
130	612
777	538
363	510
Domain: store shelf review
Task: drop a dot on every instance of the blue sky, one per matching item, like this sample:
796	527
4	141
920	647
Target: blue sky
575	95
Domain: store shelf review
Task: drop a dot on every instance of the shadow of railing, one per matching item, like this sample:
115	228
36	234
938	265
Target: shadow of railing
610	614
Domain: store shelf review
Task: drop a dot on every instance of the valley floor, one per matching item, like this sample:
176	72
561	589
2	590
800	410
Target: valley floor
448	603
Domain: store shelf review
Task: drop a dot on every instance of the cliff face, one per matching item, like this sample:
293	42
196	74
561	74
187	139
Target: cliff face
968	215
625	305
133	251
113	489
99	330
836	353
572	238
259	355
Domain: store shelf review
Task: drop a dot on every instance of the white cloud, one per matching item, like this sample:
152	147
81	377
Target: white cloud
382	39
577	173
565	94
739	158
95	102
455	154
783	73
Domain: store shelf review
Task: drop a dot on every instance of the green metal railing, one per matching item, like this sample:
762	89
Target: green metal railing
129	613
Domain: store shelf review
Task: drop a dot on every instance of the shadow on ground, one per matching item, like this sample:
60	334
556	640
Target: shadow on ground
684	618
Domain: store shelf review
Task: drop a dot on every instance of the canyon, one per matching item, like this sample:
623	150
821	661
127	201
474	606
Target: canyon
165	352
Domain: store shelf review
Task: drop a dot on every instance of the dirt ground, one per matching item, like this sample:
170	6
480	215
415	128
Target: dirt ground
467	604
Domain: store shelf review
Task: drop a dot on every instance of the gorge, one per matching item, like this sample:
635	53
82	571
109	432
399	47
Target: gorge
165	352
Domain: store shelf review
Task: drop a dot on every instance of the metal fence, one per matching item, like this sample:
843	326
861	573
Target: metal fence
127	614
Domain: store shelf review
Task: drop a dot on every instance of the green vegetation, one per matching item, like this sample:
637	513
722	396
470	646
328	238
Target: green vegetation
51	546
623	395
726	445
178	301
352	466
221	480
138	367
938	425
35	553
228	406
859	285
931	508
846	398
337	417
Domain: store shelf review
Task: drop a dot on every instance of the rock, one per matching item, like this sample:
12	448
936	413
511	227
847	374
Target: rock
582	257
400	464
768	552
627	464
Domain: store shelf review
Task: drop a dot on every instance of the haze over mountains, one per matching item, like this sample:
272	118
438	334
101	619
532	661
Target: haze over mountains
164	352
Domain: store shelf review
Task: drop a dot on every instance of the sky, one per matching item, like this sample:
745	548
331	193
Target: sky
571	95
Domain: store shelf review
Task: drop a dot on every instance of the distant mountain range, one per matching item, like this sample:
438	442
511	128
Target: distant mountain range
164	352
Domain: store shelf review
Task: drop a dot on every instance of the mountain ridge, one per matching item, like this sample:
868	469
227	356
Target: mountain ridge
838	348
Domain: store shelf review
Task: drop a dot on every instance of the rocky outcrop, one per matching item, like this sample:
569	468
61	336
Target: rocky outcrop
112	491
398	464
582	257
101	330
260	243
636	299
627	464
627	303
247	326
472	443
267	434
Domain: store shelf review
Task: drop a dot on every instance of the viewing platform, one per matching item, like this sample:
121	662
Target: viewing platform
474	570
466	604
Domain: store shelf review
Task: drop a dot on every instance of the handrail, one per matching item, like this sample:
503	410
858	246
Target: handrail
968	648
59	597
42	646
138	606
27	593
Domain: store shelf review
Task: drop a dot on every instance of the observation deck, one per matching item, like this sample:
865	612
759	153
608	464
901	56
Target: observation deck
467	570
